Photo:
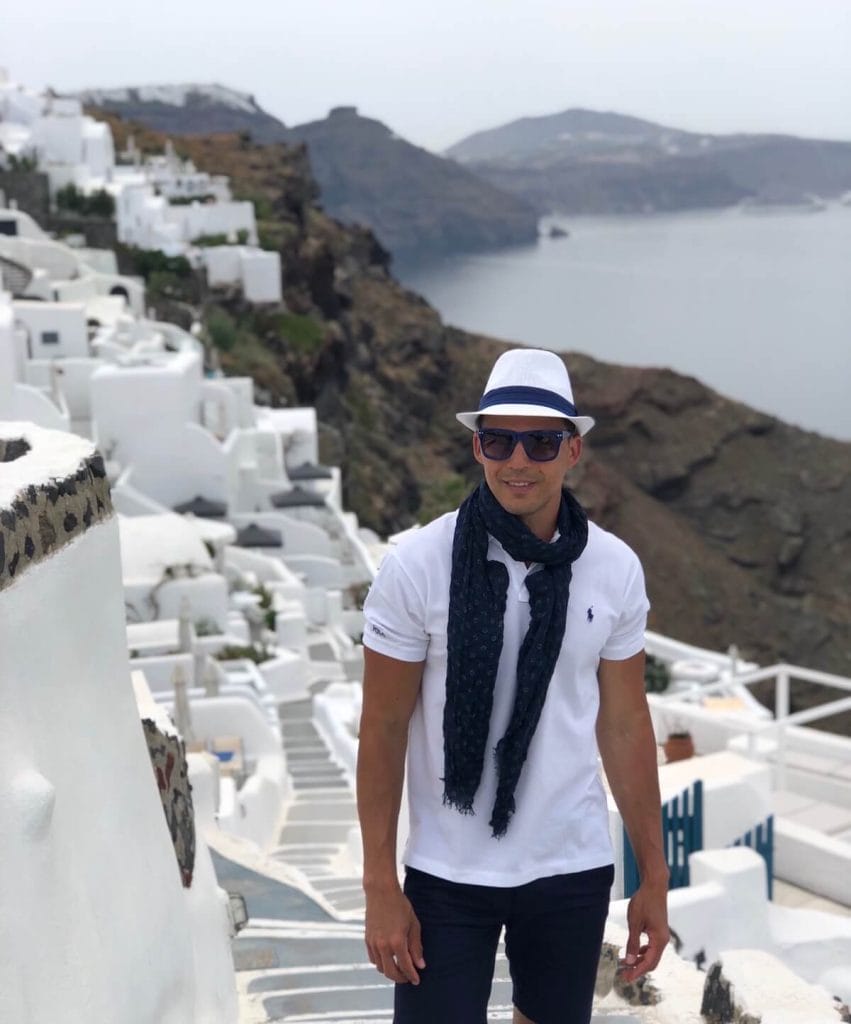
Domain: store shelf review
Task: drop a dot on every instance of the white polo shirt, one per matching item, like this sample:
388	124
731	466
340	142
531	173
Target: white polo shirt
561	822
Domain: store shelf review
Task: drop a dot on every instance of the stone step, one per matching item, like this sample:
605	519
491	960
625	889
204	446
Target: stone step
320	784
314	832
340	811
314	768
311	753
318	797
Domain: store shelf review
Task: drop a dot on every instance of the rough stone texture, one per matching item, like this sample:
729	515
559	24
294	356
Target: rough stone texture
12	448
30	190
99	232
606	970
637	993
718	1006
168	757
43	518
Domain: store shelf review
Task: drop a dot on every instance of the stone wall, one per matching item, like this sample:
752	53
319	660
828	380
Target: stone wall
30	190
43	518
168	757
99	232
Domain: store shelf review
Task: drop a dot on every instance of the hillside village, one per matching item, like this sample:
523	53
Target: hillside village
190	557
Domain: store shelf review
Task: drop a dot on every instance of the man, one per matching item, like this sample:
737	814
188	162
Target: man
501	641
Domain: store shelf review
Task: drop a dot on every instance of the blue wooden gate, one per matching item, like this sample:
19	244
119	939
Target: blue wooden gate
761	839
682	834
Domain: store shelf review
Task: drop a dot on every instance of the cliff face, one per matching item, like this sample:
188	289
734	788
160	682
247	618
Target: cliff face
419	205
741	521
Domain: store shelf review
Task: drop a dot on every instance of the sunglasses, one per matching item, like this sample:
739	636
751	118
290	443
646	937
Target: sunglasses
539	445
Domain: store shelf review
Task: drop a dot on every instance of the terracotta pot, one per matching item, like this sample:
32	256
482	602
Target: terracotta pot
679	746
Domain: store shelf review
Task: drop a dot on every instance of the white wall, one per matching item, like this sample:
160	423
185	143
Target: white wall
261	275
222	263
147	416
66	320
93	925
9	361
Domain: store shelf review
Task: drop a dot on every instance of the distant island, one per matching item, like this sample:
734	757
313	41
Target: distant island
583	161
489	189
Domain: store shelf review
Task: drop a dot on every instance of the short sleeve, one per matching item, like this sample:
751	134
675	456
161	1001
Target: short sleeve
627	637
394	613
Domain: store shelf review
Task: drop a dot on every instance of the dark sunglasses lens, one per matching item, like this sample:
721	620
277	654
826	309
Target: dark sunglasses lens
542	447
496	446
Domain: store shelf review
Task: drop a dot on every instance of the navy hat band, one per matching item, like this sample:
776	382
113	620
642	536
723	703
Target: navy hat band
526	396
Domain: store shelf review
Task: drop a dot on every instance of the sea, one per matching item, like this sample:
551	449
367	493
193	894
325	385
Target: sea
754	303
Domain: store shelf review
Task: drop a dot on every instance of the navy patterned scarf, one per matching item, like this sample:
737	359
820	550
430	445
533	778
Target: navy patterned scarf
477	597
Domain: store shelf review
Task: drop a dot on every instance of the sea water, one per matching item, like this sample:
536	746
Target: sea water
755	304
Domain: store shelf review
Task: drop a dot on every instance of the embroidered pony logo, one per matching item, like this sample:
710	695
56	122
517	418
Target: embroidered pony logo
590	614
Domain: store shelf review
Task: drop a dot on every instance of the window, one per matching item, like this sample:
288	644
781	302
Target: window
8	227
50	337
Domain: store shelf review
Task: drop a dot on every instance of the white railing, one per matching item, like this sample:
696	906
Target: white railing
782	675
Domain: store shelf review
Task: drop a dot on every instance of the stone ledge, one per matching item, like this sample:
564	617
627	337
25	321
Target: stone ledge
168	759
40	517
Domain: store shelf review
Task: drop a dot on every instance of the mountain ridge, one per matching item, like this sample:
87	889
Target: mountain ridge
189	108
739	519
419	204
580	161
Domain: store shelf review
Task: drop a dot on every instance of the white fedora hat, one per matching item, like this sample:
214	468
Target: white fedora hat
528	382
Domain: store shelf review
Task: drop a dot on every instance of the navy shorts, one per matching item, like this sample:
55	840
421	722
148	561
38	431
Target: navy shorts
553	934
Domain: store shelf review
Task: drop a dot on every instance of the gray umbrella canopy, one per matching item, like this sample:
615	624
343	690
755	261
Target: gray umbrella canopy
254	536
204	507
296	497
309	471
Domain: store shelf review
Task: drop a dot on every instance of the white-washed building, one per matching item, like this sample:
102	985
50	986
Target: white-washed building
161	202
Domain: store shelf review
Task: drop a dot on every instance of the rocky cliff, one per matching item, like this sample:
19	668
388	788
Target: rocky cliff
741	520
418	204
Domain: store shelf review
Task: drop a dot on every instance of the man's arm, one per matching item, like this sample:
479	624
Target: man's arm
390	691
628	749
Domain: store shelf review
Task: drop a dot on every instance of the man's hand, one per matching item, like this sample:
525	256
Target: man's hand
647	914
393	938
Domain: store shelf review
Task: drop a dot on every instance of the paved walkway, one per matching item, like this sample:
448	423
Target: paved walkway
296	962
302	959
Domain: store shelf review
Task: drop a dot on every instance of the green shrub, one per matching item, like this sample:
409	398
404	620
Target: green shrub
442	495
302	334
266	601
188	200
98	204
656	675
206	241
149	261
165	284
207	627
252	652
222	330
22	164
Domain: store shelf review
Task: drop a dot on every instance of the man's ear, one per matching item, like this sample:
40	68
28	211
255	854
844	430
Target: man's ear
477	448
575	444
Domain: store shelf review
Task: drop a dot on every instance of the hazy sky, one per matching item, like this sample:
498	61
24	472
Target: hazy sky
436	71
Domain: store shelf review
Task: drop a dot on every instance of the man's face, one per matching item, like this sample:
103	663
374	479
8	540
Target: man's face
525	488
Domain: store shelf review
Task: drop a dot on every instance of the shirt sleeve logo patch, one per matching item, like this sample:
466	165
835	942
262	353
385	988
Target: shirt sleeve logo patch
377	630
